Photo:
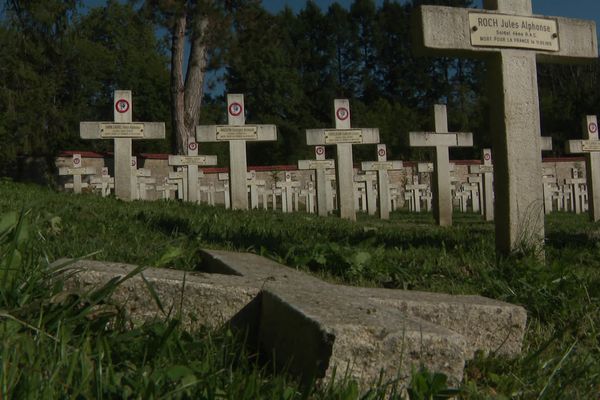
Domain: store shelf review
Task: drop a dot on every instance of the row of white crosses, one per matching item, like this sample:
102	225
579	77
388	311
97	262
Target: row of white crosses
512	67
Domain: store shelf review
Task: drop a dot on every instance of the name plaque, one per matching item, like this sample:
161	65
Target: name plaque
226	132
343	136
499	30
189	160
486	169
590	146
381	165
320	164
117	130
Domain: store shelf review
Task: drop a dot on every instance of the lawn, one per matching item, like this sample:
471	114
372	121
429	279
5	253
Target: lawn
53	341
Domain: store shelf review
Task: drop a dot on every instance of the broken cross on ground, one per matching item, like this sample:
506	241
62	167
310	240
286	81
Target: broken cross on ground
314	327
382	166
122	131
237	133
343	136
512	55
441	140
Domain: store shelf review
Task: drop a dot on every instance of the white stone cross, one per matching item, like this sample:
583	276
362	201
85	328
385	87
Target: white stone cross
166	188
441	140
287	186
590	146
105	183
224	177
179	178
76	171
548	182
369	181
253	184
476	192
415	189
512	41
343	136
191	162
576	183
487	172
237	133
319	164
122	131
382	166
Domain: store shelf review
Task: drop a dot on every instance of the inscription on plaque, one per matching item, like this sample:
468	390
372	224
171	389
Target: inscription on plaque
499	30
191	160
486	169
382	165
316	164
343	136
226	132
115	130
590	146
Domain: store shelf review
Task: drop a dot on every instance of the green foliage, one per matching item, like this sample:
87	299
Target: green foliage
562	296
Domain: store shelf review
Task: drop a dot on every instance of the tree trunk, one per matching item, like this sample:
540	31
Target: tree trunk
187	96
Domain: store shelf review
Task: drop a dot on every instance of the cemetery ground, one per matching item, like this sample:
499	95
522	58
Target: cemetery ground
55	343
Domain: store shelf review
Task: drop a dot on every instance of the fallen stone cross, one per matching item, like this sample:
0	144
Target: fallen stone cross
512	54
441	140
343	136
122	131
237	134
315	327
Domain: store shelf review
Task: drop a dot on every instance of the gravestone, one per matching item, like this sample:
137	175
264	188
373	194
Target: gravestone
319	165
590	146
415	190
166	188
369	180
487	172
313	327
548	183
343	137
122	131
237	134
382	166
179	178
476	191
104	183
441	140
287	187
76	171
576	182
254	184
224	177
512	53
190	163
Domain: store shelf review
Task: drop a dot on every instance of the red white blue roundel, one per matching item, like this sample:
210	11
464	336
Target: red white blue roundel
342	113
593	127
381	152
235	109
319	150
192	146
487	157
122	106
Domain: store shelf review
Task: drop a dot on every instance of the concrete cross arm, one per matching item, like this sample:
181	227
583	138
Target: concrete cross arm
316	137
432	139
113	130
178	160
316	164
381	165
226	133
448	30
582	146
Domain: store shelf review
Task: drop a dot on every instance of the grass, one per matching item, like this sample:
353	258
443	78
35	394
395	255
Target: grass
561	355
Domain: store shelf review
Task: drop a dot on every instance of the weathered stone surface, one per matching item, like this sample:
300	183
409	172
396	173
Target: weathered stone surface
488	325
314	327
